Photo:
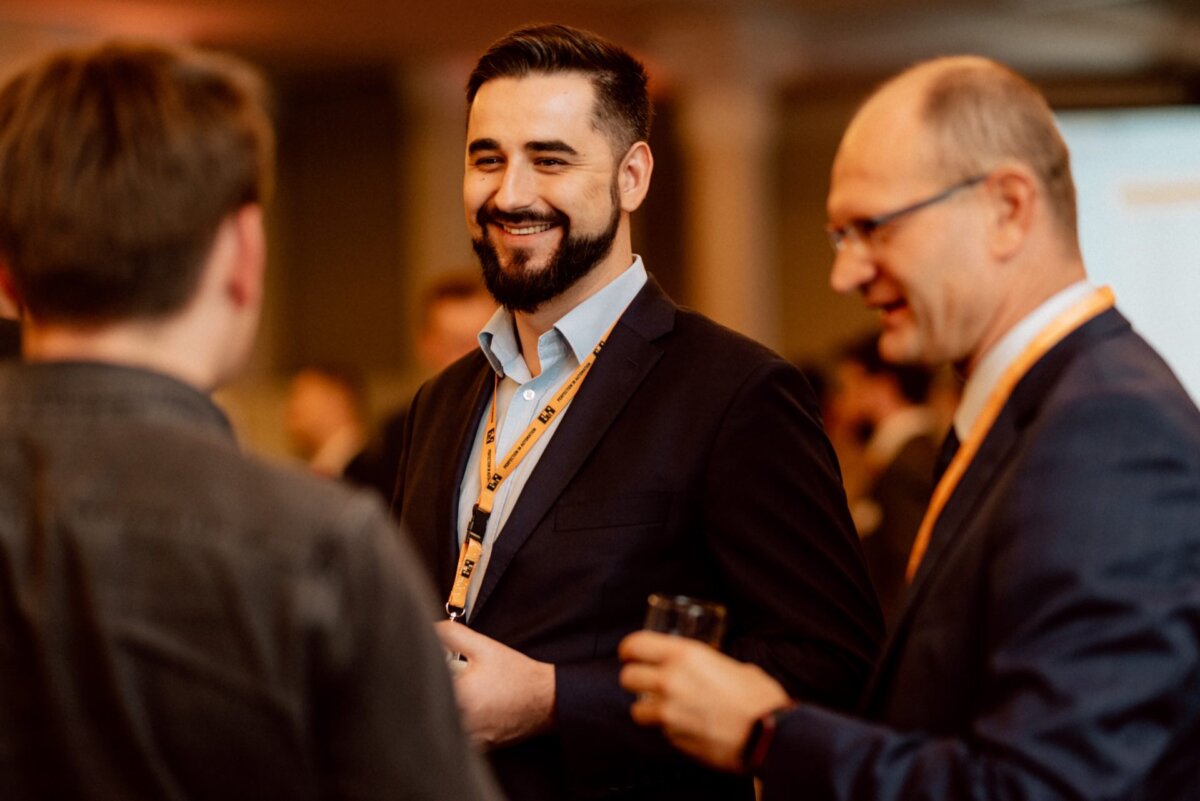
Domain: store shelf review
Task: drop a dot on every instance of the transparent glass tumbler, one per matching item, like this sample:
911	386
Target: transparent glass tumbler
686	617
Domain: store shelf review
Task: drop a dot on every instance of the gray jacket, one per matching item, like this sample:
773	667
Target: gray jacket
178	620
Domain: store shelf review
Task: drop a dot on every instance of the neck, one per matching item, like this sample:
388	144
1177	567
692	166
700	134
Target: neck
531	325
1025	295
147	345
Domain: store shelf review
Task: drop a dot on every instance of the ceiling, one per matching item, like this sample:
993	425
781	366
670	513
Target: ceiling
800	38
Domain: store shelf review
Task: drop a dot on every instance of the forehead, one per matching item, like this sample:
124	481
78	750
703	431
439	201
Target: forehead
537	107
881	160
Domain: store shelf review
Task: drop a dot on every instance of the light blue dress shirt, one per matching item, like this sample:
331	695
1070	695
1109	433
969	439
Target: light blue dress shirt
521	396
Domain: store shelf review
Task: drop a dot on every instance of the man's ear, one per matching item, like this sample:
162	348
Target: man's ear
246	273
633	176
1015	194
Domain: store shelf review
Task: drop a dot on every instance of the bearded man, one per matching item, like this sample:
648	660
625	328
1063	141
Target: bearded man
603	444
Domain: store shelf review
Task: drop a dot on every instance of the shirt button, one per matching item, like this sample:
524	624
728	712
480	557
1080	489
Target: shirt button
528	394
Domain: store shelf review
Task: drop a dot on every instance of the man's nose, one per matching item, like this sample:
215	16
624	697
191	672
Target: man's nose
851	269
517	189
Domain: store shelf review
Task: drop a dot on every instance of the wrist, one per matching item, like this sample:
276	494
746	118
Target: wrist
762	733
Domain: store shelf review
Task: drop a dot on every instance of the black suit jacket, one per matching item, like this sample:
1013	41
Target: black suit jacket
692	461
1051	644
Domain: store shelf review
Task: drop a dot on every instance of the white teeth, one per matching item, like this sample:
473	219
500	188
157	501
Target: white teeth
529	229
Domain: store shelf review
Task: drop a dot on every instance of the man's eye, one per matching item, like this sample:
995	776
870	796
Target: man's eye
485	161
864	227
548	162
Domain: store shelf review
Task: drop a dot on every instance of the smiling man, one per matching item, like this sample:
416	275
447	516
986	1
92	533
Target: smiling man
603	444
1050	646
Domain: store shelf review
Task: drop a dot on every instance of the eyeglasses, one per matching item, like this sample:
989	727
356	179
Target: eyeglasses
860	230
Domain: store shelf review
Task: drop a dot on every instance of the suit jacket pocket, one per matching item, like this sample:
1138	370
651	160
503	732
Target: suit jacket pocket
623	511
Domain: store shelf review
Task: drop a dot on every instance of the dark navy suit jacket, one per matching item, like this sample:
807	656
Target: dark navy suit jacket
692	461
1050	648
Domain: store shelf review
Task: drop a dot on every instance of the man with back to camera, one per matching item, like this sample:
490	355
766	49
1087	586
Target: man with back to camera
178	620
691	460
1050	648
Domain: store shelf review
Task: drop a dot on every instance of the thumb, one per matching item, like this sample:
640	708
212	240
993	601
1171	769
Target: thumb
459	639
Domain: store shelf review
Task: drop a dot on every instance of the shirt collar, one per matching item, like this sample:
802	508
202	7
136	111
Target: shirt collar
580	328
992	366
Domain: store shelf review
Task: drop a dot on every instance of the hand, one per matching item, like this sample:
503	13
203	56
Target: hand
504	696
704	701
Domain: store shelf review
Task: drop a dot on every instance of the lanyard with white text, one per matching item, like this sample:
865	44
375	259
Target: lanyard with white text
1099	301
492	475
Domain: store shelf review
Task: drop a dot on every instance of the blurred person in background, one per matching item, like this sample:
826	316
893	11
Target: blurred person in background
691	461
177	619
1050	645
453	310
10	329
325	416
902	437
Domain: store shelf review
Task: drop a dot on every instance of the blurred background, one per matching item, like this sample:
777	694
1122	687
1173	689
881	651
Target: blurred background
751	97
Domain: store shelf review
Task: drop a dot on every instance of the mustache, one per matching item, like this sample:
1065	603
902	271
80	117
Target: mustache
487	215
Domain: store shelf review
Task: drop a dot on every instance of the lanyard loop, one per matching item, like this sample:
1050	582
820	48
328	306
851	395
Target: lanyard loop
1058	329
491	475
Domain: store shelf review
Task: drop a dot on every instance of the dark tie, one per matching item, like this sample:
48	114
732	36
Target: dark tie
949	448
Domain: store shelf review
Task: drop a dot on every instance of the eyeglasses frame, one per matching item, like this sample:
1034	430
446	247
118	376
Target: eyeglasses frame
860	230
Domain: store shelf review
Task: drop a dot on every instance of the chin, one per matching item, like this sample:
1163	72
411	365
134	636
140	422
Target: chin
899	347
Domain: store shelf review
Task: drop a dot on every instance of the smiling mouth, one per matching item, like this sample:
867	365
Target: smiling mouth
526	230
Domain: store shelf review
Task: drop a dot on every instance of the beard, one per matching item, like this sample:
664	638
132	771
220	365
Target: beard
520	289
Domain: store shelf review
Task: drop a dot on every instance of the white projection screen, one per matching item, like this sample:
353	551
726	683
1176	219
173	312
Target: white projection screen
1137	172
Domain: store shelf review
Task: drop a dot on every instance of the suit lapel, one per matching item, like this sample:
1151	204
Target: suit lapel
993	455
628	357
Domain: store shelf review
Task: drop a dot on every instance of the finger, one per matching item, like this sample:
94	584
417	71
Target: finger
647	710
649	646
459	639
638	677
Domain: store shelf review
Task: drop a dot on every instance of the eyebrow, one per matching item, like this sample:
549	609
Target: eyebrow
538	146
482	144
550	146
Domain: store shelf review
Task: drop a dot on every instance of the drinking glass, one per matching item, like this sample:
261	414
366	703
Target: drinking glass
686	617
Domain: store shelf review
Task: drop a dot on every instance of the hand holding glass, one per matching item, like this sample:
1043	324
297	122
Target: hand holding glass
686	617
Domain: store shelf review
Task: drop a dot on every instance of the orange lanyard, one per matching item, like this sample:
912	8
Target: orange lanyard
491	475
1095	303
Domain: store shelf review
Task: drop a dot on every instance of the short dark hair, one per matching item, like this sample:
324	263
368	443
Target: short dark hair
913	380
118	163
623	109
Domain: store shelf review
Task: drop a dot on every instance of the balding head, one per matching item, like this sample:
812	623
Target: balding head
975	114
952	207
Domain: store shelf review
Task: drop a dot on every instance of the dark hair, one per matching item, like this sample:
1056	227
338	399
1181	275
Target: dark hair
623	108
913	380
118	164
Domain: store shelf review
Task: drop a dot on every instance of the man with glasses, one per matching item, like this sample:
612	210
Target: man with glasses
1050	647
